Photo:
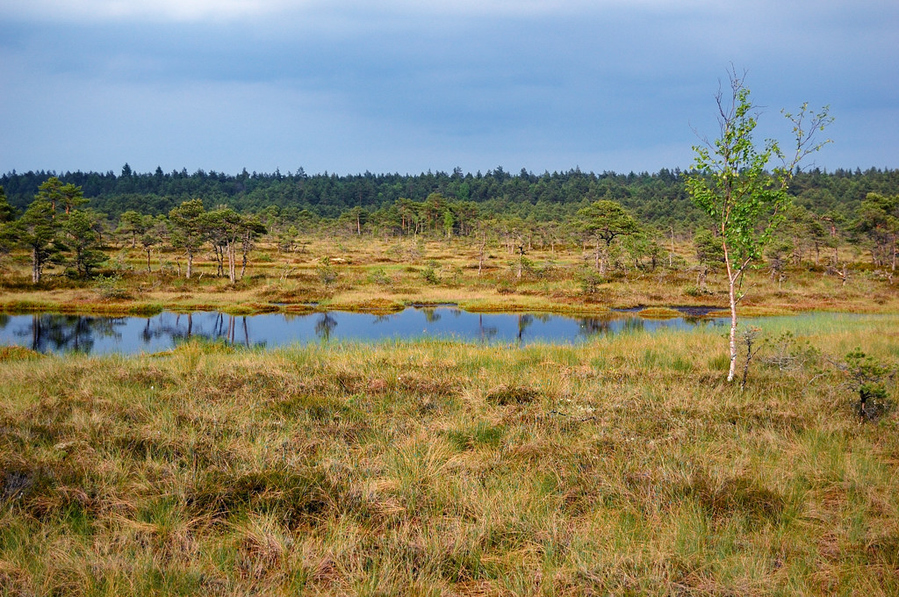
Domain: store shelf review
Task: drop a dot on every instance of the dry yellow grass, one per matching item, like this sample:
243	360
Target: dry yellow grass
374	274
622	466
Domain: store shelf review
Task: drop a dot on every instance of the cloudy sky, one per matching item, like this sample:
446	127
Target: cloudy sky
408	86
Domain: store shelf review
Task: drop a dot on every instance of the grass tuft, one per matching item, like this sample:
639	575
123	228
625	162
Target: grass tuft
506	395
625	465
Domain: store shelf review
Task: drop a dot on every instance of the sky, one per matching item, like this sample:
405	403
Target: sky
348	86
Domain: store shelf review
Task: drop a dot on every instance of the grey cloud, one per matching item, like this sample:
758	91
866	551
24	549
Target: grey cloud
403	87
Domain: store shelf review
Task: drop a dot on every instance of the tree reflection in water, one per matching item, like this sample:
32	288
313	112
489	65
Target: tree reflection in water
324	326
224	327
524	322
601	326
486	332
64	333
70	333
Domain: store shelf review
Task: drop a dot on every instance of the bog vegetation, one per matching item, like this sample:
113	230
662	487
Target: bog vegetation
625	466
552	242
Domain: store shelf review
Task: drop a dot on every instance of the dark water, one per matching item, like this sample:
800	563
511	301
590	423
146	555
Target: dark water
52	333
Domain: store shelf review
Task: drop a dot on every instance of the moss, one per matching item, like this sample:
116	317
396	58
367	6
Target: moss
659	313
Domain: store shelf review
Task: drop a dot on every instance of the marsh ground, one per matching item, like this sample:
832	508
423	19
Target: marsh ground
373	274
623	466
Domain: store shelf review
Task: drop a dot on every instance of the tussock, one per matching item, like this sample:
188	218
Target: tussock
623	466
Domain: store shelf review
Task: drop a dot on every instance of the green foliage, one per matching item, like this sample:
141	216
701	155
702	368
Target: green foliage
394	202
132	223
37	230
327	273
83	239
604	221
186	222
589	280
187	229
287	239
732	184
65	196
694	291
111	287
868	378
429	274
7	211
709	251
789	353
877	224
379	276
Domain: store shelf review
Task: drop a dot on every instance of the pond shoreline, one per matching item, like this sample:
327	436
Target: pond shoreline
384	306
62	333
131	335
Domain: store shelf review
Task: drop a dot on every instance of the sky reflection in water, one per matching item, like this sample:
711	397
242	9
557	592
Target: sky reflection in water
99	335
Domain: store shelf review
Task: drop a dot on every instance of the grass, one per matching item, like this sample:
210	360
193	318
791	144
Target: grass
622	466
372	274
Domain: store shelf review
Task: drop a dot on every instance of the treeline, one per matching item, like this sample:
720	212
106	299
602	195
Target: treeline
630	221
658	199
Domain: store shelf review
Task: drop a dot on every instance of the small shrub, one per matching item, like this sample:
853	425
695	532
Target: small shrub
380	277
111	288
394	251
429	275
118	262
505	287
589	280
787	353
326	272
868	378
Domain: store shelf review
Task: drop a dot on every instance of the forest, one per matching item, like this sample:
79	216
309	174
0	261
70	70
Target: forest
659	199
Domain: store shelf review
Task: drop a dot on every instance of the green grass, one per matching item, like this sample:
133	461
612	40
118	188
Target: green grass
623	466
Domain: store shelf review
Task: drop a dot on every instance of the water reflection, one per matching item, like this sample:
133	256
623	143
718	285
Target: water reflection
486	332
524	322
610	325
68	333
325	325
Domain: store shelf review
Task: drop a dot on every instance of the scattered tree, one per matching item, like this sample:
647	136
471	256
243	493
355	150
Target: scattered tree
733	186
37	230
604	221
187	230
133	224
878	223
81	230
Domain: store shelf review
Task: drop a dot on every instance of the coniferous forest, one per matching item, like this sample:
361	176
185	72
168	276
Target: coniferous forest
659	199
